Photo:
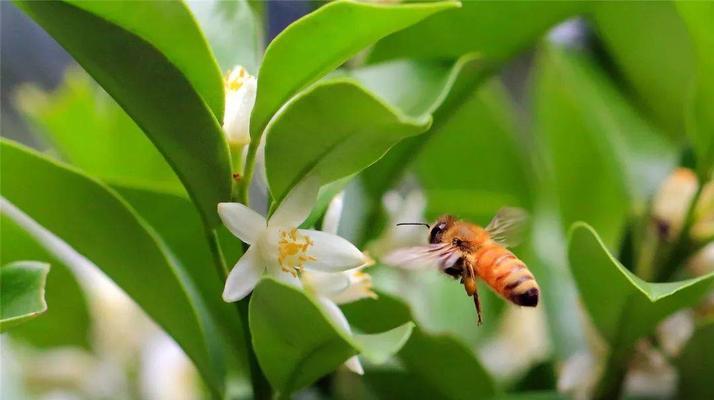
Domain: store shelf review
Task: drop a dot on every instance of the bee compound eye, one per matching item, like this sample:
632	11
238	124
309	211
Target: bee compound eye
436	232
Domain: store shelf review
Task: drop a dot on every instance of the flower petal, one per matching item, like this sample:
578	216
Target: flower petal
326	284
297	205
243	222
244	276
331	220
333	253
334	313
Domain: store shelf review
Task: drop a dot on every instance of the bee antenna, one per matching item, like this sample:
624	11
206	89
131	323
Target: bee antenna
413	223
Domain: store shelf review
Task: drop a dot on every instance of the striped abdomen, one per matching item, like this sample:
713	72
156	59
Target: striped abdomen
506	274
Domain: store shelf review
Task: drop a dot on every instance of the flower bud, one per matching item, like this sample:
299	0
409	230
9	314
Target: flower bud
241	89
703	227
672	202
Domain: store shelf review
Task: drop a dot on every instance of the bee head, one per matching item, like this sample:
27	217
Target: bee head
440	226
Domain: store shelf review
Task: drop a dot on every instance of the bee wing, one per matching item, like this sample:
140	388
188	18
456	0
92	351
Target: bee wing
439	255
508	227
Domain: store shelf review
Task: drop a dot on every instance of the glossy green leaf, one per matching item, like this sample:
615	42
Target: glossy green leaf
156	92
622	306
496	30
22	292
98	224
597	146
296	343
67	321
700	123
179	226
341	127
440	361
695	364
89	130
545	395
170	28
319	42
636	34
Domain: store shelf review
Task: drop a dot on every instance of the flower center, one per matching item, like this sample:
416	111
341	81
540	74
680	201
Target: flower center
292	250
235	79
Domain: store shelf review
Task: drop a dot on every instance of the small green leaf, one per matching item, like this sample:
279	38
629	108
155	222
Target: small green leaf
441	362
622	306
22	292
379	347
294	342
319	42
696	363
68	315
496	30
700	115
341	128
98	224
169	100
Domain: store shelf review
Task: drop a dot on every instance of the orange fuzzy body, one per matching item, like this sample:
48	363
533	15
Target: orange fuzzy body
505	273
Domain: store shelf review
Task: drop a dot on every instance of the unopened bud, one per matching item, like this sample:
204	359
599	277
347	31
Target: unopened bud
241	88
672	202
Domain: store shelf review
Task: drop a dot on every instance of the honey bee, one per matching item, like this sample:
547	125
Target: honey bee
468	251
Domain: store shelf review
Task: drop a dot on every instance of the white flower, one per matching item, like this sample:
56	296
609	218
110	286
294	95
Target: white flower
279	247
166	373
400	209
333	288
241	88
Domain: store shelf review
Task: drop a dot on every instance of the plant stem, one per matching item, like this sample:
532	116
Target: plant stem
218	260
247	177
682	246
261	387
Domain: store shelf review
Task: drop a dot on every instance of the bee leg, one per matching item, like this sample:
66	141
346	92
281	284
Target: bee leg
477	303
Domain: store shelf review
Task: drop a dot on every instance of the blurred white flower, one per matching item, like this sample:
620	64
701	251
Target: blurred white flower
672	202
333	288
674	332
650	375
166	373
400	209
578	375
279	247
702	262
241	88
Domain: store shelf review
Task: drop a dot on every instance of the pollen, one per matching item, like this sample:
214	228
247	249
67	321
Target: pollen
292	251
235	78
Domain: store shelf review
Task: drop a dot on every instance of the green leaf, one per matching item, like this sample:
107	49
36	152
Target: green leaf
22	292
296	343
379	347
531	396
318	43
171	29
622	306
179	226
98	224
160	92
440	361
598	147
89	130
636	35
695	364
700	116
67	318
341	128
496	30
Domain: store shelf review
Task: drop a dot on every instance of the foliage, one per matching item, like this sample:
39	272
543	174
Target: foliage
379	102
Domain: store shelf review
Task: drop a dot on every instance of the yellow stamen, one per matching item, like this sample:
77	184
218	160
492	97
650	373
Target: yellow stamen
235	81
292	251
